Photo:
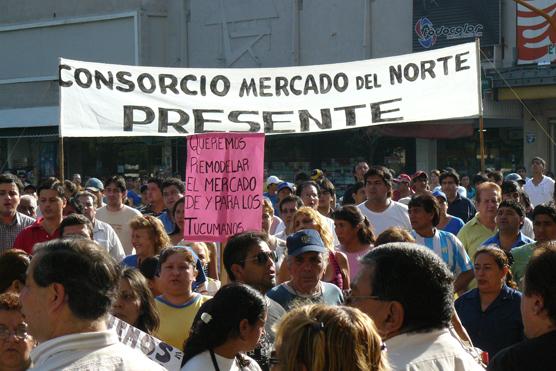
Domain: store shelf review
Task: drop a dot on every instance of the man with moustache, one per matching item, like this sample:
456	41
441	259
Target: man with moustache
11	221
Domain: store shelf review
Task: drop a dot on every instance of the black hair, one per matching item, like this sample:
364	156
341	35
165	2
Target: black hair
218	319
357	186
118	181
156	180
307	184
7	178
545	209
510	186
290	198
169	251
238	247
452	174
13	267
429	203
326	185
70	186
542	161
353	216
178	202
148	320
88	274
53	184
407	273
382	172
178	183
76	219
478	179
149	267
496	176
516	206
540	277
29	186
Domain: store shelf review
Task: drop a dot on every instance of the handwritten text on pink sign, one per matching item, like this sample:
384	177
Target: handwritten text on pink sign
223	194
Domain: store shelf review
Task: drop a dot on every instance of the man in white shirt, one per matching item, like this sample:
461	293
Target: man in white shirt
116	213
66	310
379	208
408	292
103	233
539	187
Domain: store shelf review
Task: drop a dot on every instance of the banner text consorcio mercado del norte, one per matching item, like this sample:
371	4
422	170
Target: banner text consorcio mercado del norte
116	100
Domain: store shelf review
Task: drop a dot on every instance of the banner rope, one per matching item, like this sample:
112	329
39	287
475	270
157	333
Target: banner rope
518	98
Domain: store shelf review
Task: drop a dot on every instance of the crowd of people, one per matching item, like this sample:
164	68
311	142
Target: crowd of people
430	271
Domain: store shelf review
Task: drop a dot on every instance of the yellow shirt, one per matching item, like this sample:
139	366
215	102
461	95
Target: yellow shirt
176	320
472	235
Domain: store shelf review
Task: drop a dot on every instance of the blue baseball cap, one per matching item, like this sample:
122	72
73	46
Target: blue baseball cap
305	240
439	193
94	184
285	185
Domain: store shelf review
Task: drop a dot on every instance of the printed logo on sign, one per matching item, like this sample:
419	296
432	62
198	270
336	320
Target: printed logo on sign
422	29
428	34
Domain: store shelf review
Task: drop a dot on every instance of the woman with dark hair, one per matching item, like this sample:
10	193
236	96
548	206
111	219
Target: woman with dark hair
177	213
13	267
177	304
491	312
135	303
226	326
355	234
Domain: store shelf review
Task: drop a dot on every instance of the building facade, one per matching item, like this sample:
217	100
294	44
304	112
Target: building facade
269	33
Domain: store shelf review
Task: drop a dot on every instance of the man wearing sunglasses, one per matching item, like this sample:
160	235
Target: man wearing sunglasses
249	260
408	292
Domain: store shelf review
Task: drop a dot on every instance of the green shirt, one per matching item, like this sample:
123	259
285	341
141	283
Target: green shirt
472	235
521	255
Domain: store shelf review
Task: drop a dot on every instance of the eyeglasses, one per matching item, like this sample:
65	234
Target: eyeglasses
351	299
20	332
262	257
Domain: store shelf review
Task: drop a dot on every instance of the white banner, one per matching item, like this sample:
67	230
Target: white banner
158	351
107	100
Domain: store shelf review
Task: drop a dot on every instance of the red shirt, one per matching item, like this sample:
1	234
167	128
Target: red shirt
33	234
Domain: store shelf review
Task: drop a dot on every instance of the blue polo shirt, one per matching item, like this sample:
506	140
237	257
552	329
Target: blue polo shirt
521	240
462	208
499	326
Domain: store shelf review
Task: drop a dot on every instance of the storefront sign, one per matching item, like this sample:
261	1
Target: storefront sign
534	35
223	185
438	24
104	100
160	352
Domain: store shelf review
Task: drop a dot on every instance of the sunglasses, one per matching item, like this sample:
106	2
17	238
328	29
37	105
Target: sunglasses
262	257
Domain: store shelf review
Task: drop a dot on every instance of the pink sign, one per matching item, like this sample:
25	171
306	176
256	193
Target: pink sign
223	185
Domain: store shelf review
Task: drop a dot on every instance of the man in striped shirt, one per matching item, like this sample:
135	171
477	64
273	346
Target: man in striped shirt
424	214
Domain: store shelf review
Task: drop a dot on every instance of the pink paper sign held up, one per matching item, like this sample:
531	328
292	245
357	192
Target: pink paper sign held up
223	185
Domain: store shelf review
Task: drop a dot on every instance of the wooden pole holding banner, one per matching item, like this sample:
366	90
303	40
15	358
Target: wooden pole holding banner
61	159
482	142
481	121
